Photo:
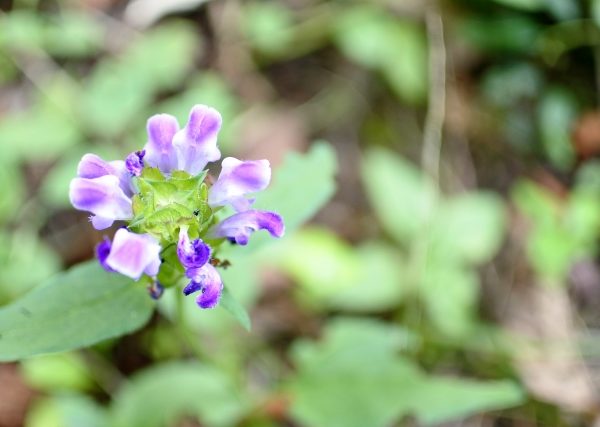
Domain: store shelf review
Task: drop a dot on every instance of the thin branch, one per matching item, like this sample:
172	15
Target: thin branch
436	111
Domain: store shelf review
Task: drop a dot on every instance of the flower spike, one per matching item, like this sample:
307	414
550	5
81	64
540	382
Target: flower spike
162	195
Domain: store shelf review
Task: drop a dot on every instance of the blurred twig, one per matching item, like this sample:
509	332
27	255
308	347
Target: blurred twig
436	111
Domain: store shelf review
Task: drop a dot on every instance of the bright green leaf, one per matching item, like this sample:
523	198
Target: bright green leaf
403	199
353	377
163	394
75	309
232	305
557	112
57	372
469	227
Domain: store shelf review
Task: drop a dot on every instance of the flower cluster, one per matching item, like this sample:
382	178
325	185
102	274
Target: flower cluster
172	206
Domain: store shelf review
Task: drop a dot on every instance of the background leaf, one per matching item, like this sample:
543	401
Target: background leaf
163	394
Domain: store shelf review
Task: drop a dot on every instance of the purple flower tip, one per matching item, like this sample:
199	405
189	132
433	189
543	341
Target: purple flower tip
192	254
102	252
237	228
208	281
135	162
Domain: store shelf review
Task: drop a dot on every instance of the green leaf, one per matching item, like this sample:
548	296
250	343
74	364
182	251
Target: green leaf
469	227
301	185
232	305
57	372
267	25
595	11
450	294
66	411
26	261
334	274
119	90
22	30
75	309
163	394
441	399
402	197
356	366
371	37
74	34
557	112
524	4
37	134
502	34
12	189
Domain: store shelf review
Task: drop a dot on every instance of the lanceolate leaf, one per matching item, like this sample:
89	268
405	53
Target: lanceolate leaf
74	309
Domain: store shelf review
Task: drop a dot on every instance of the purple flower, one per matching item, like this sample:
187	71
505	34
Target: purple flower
133	254
160	152
192	254
196	143
92	166
237	228
207	280
135	162
238	178
102	252
101	196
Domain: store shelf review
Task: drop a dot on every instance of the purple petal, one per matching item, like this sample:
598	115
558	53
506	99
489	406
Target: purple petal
92	166
102	252
191	288
208	281
100	223
101	196
192	254
237	179
134	254
196	144
135	162
160	152
238	227
121	172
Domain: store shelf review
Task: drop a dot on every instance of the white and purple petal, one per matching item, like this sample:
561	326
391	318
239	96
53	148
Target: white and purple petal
196	143
238	178
101	196
160	152
134	254
192	254
238	228
208	281
93	166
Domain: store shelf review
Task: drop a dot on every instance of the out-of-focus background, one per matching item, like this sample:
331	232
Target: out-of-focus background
452	277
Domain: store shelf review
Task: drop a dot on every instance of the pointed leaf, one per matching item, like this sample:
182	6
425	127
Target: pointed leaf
74	309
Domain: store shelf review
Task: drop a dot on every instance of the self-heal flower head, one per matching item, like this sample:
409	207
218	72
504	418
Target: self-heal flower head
162	195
